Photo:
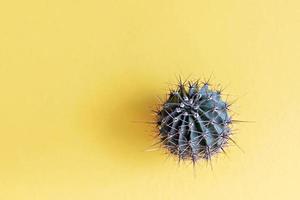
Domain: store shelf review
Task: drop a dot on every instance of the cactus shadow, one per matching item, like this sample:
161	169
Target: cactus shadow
122	130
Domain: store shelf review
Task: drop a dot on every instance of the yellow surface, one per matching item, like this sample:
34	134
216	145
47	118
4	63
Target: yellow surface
75	74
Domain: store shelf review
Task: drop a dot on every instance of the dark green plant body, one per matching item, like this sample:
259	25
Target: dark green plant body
194	122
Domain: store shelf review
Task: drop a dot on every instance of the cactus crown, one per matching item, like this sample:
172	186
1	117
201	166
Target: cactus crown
194	122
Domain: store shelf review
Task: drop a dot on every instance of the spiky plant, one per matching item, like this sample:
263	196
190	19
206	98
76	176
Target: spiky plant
194	122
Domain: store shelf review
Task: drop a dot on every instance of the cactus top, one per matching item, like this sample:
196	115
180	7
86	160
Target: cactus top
194	122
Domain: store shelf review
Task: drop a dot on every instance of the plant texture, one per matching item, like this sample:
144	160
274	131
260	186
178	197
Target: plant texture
194	122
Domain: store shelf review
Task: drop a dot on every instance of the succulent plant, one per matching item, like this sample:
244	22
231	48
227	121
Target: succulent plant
194	122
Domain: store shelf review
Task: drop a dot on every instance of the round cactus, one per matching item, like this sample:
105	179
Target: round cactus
194	122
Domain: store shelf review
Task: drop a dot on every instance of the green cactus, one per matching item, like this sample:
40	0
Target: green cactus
194	122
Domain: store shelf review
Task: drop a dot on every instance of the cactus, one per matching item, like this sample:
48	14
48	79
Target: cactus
194	122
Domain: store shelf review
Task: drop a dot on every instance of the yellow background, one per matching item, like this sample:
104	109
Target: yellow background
75	74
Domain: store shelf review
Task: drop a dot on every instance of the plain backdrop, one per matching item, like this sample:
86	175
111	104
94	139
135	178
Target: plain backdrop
76	74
